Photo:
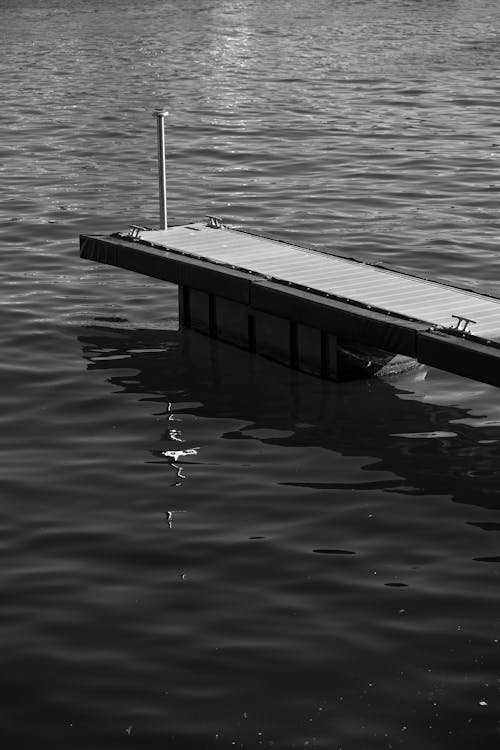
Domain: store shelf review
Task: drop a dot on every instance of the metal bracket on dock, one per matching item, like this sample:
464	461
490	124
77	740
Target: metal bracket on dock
462	324
134	232
214	222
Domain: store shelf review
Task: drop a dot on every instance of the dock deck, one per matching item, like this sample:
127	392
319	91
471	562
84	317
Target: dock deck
277	299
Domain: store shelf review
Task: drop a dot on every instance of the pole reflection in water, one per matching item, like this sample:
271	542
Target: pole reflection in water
173	456
327	527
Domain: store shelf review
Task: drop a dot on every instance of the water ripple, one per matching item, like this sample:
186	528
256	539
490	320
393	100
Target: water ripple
203	549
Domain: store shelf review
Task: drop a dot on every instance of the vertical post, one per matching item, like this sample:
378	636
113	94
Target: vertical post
162	176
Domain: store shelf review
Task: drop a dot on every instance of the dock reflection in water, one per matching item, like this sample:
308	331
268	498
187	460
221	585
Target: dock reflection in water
338	576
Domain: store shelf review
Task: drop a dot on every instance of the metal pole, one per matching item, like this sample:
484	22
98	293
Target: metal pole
162	176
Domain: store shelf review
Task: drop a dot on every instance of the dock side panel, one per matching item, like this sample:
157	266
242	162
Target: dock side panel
168	266
272	337
310	356
231	322
345	321
462	356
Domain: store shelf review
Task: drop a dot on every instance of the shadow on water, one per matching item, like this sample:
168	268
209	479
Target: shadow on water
428	447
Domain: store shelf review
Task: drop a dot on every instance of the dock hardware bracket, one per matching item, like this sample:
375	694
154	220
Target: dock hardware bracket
134	232
462	324
214	222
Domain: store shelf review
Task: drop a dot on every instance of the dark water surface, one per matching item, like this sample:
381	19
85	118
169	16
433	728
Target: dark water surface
201	549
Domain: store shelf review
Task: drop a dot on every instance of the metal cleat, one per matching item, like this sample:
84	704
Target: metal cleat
214	222
462	324
134	232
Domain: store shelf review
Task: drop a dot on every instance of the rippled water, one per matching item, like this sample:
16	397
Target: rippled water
202	549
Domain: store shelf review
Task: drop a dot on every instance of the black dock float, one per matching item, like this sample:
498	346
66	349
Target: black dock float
333	317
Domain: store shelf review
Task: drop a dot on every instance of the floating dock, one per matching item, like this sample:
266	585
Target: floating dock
330	316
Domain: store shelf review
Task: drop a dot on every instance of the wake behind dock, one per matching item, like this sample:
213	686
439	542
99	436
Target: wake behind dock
318	312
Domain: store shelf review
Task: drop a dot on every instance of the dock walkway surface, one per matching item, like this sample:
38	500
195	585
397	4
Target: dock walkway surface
230	275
